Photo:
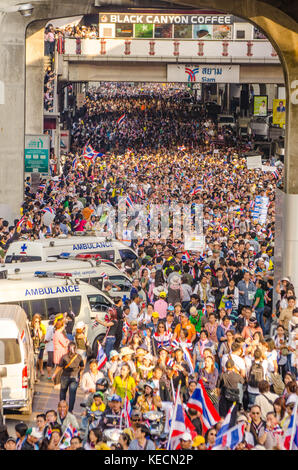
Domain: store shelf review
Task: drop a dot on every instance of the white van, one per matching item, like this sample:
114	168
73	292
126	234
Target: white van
41	250
16	355
49	296
90	271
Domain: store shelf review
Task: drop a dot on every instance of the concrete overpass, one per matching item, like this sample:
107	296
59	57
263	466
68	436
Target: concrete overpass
82	69
21	85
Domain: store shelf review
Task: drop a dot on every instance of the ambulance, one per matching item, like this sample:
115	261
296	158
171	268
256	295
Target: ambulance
41	250
49	296
91	271
17	359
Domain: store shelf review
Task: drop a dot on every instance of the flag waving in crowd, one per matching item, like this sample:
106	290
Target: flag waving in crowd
201	402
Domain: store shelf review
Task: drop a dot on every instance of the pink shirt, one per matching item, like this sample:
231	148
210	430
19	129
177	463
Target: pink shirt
60	343
161	307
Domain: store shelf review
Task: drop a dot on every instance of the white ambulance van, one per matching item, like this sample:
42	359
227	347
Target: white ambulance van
17	357
41	250
91	271
49	296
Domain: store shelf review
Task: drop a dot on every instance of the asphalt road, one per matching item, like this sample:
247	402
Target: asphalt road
45	398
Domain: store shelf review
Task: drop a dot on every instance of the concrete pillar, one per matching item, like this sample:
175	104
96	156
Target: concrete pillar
34	78
12	80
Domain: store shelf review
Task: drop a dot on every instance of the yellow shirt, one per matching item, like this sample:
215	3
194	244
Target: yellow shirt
101	407
124	387
102	446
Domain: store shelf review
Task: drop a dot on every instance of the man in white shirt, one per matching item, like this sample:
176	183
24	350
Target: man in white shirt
134	308
49	348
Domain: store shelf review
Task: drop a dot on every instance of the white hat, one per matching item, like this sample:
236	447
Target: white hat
36	433
186	436
80	325
125	351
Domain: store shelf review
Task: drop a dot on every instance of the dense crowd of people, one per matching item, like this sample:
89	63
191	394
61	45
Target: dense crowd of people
205	322
49	84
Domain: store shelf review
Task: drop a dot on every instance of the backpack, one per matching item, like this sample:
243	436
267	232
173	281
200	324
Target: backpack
256	375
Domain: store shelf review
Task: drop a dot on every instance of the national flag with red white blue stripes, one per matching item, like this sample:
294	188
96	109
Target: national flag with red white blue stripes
231	438
48	209
101	357
89	153
126	412
185	257
129	202
201	402
291	434
179	425
196	190
223	434
121	119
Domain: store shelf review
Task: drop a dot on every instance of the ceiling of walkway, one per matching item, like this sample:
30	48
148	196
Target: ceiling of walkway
288	7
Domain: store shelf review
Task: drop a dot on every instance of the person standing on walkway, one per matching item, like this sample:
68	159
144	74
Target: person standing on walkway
72	366
60	343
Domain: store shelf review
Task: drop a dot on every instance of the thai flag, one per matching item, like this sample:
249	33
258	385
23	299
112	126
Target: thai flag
231	438
291	434
170	362
220	438
129	202
89	153
187	357
179	425
101	357
104	275
21	221
70	431
74	163
182	148
121	119
141	193
126	412
196	190
49	433
276	174
175	343
68	434
185	257
48	209
163	341
201	402
41	187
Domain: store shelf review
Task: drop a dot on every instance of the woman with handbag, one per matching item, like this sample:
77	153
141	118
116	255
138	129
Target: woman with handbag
229	391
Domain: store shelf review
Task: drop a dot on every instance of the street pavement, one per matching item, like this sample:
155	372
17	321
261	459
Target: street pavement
45	398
